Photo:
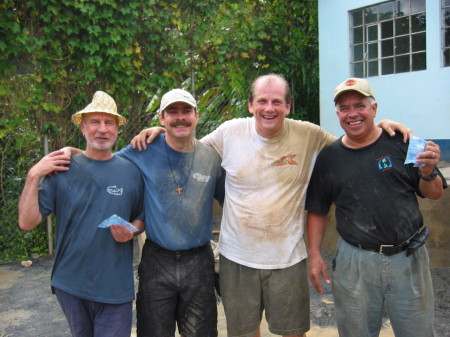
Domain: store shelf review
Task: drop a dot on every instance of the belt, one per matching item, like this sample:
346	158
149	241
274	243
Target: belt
387	250
154	246
420	236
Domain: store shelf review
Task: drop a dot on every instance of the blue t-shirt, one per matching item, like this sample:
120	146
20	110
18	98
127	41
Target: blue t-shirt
178	221
89	263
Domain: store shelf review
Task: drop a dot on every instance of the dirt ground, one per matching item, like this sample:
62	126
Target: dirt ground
28	309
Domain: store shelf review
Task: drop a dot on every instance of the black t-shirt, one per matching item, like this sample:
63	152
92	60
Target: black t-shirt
373	190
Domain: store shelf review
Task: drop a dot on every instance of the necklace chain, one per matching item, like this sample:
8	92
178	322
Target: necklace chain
179	188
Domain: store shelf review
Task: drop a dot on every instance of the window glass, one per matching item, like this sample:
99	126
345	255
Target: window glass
418	42
402	64
373	50
358	69
401	7
370	14
387	48
390	37
417	6
358	52
419	61
372	33
357	35
402	26
418	23
446	57
356	18
445	33
447	16
387	29
386	11
387	66
447	37
402	45
373	68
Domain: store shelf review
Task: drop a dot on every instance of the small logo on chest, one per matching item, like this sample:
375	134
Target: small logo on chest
286	160
385	163
114	190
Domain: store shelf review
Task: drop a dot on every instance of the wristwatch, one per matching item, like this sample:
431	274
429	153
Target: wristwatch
431	177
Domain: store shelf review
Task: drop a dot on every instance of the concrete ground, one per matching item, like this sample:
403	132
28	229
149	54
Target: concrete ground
28	309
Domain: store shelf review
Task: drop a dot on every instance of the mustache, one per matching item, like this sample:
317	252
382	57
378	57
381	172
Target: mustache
180	123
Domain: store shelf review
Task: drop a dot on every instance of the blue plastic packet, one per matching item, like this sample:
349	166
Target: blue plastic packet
117	220
416	146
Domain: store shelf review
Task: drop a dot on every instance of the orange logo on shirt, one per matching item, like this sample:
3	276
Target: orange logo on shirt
286	160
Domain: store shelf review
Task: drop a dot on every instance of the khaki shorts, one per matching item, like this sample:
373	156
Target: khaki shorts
282	293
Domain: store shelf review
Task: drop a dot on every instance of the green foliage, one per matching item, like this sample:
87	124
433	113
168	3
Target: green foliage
54	54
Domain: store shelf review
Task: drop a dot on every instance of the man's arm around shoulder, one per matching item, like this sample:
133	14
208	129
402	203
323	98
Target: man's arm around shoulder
29	214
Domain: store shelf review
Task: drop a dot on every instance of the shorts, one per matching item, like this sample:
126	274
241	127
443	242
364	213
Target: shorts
366	283
176	288
88	318
282	293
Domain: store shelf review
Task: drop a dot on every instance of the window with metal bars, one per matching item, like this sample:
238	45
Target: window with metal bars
388	38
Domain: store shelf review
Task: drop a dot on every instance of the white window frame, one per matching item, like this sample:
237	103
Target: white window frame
405	57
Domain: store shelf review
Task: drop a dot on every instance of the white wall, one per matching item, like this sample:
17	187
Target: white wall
420	99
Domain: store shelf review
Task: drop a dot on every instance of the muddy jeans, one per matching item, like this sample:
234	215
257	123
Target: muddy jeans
365	283
176	287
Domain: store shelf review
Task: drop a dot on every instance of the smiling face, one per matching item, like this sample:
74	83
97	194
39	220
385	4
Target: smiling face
100	130
356	114
180	120
269	106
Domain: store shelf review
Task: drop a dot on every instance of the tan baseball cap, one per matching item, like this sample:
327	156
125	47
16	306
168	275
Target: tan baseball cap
177	95
101	102
354	84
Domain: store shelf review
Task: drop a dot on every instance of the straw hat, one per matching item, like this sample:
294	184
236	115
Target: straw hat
101	102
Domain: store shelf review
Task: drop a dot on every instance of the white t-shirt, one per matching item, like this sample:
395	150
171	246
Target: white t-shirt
265	190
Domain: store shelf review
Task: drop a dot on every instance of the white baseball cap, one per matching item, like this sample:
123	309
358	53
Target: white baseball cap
177	95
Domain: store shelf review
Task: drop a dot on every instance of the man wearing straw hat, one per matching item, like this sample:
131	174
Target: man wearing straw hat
92	274
182	178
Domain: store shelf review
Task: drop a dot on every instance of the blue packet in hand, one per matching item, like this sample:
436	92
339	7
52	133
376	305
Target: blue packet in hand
117	220
416	146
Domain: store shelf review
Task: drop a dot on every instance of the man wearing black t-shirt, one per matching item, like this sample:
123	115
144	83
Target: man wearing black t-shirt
381	262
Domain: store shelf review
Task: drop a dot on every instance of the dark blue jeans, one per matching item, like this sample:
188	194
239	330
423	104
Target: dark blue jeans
93	319
176	288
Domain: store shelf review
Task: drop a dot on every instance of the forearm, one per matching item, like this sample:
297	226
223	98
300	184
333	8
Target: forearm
431	189
29	214
316	225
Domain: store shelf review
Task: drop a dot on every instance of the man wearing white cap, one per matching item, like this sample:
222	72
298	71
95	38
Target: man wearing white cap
176	273
381	263
92	274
